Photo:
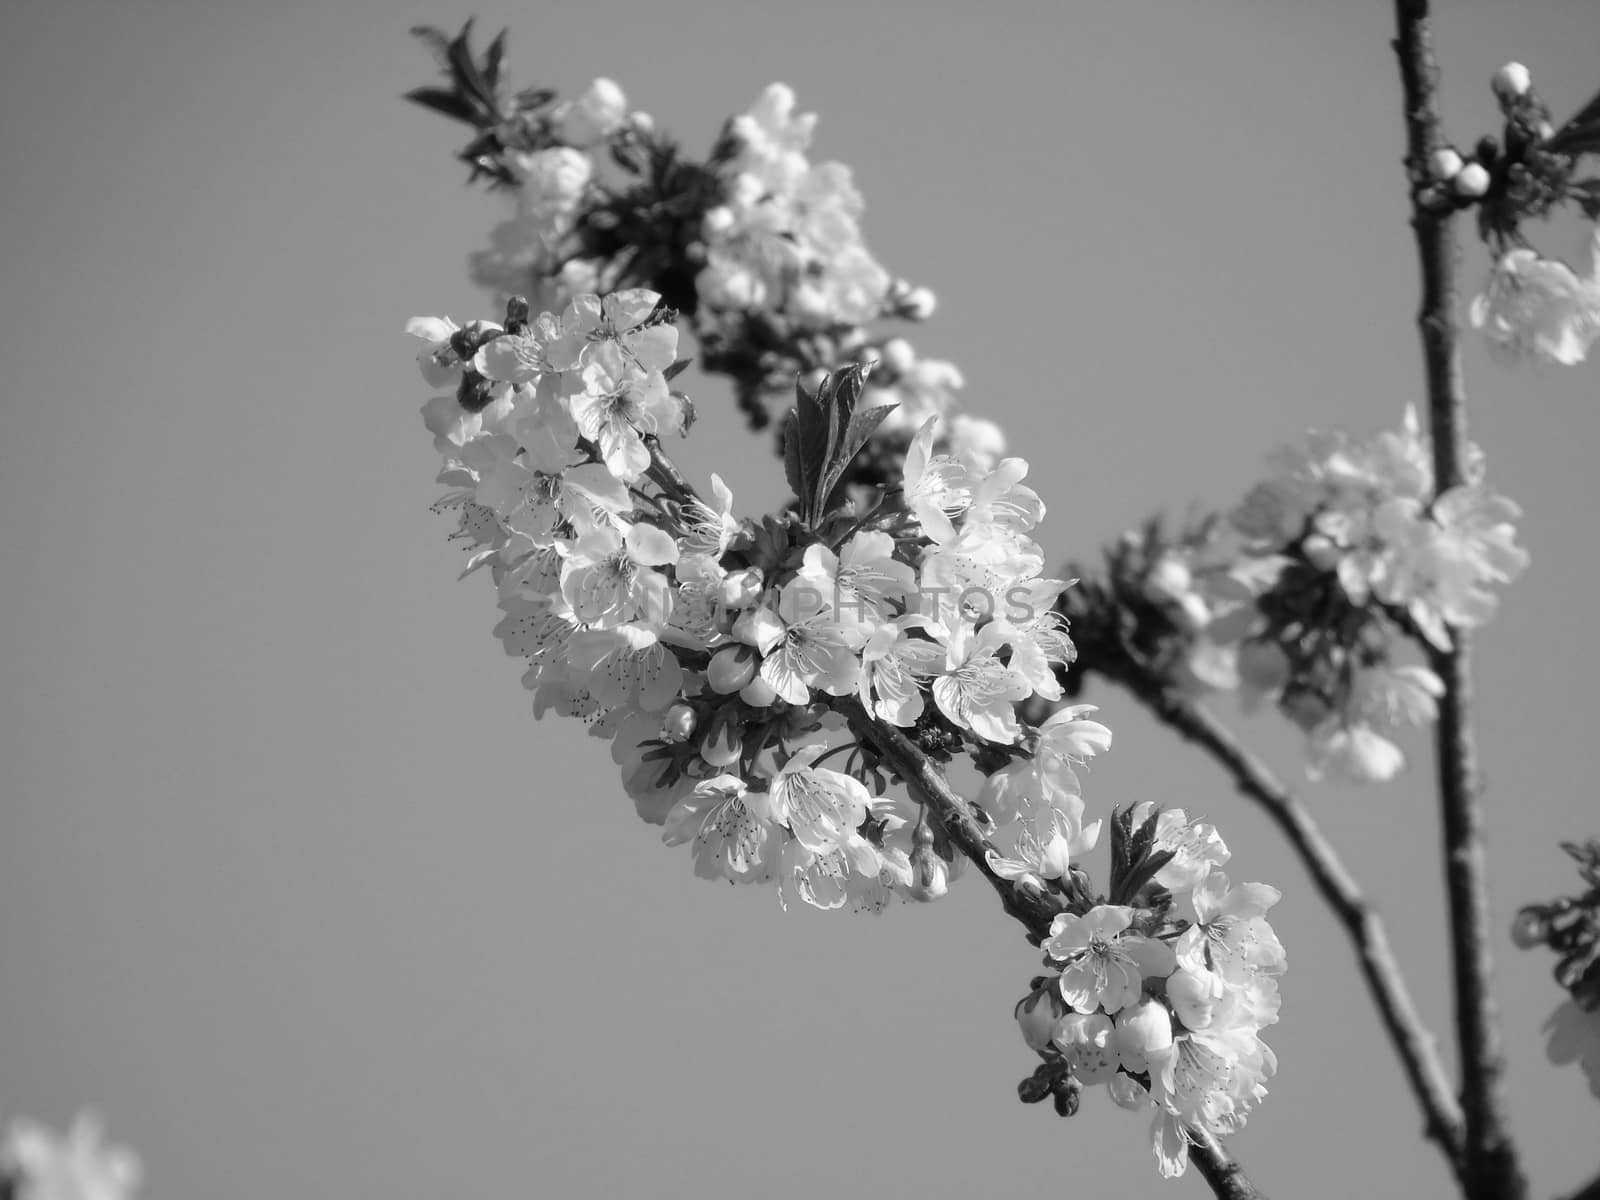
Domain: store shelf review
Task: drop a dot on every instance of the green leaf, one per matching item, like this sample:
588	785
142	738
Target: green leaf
531	98
791	458
810	419
676	369
468	78
1129	886
1576	142
858	432
493	59
437	42
1579	134
443	100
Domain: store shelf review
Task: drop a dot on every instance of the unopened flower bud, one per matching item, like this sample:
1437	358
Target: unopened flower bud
595	114
1471	181
1143	1029
722	745
919	304
1169	579
930	874
731	668
898	356
758	693
1127	1092
1194	997
1445	164
641	122
717	221
1037	1015
1511	82
678	725
1531	927
1321	552
1546	131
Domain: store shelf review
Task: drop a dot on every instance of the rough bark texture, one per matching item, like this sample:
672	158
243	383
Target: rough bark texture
1489	1169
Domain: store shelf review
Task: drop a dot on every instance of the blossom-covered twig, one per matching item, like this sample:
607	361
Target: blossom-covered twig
1361	922
954	813
1490	1167
1223	1173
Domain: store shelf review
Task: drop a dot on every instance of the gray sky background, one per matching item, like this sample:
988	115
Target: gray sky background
293	887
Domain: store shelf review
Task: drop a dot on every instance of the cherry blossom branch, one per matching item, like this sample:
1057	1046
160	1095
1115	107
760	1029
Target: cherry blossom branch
1033	908
1490	1166
955	814
1412	1041
1589	1191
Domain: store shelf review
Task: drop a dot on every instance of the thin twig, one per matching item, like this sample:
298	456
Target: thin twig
1490	1168
1442	1119
1033	908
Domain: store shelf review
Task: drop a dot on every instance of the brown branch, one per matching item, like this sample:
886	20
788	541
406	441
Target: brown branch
1033	908
664	473
955	815
1490	1168
1415	1045
1226	1177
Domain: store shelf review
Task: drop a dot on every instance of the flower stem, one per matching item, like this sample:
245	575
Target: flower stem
1489	1169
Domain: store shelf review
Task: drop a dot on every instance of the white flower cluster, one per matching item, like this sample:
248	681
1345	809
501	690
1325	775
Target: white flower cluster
1165	1006
787	240
924	388
1323	561
1540	307
765	247
533	249
77	1165
712	650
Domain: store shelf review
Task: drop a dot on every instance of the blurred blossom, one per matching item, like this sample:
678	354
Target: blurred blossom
77	1165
